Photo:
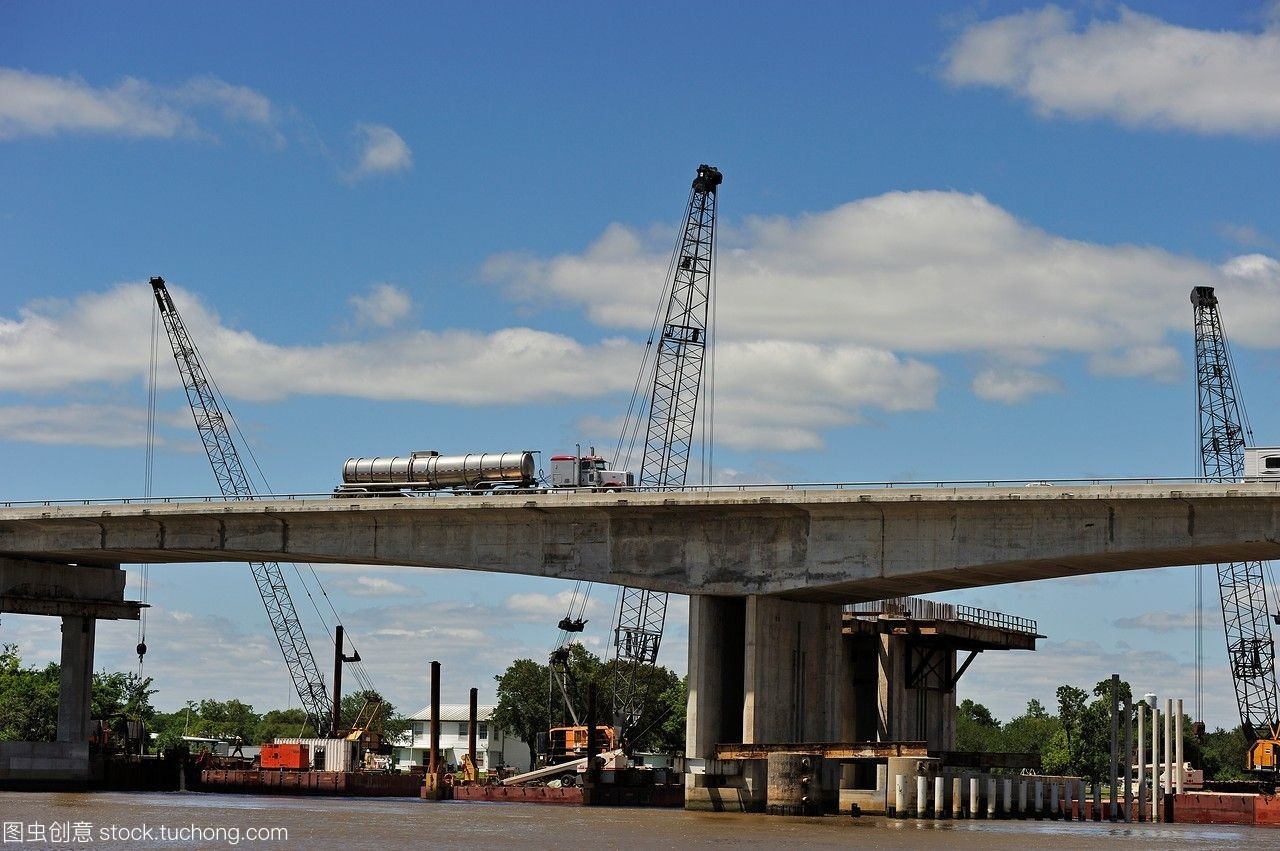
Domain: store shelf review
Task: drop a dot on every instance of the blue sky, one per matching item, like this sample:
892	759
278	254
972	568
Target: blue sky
956	243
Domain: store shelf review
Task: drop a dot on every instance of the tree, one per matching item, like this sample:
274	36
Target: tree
1224	754
378	714
976	729
284	724
29	698
522	702
1072	711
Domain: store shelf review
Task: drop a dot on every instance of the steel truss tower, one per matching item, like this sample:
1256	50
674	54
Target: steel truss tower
233	481
1223	434
673	404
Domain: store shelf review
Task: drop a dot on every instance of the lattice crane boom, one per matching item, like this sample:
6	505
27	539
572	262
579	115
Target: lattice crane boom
673	404
1242	587
233	481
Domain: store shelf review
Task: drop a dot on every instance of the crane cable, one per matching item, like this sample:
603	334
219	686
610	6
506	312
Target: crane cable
149	466
636	413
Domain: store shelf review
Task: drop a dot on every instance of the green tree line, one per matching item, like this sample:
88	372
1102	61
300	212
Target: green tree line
529	703
1077	739
29	709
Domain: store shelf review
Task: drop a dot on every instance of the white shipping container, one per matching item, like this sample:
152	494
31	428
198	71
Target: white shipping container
339	754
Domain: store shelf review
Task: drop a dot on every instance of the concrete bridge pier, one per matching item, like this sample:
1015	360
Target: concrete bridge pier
761	670
80	595
76	684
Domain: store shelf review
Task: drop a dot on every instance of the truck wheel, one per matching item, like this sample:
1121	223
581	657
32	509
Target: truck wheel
568	781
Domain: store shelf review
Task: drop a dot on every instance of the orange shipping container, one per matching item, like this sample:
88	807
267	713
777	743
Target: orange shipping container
294	757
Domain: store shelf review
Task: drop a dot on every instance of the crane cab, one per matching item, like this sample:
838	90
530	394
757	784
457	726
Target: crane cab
1264	756
1261	463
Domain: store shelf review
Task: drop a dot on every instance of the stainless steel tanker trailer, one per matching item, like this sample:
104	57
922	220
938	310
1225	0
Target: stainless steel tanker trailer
486	471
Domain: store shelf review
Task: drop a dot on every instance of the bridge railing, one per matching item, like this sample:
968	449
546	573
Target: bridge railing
921	609
1040	484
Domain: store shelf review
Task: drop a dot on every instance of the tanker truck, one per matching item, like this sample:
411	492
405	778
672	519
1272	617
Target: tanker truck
423	472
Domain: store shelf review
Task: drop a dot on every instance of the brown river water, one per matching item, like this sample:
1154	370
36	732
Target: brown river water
201	820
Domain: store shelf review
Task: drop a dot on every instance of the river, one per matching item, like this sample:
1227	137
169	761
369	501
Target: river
202	820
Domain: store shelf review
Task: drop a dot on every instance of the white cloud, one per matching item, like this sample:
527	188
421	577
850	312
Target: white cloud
86	425
535	607
54	344
383	306
381	151
822	319
1136	69
923	272
783	394
1165	621
42	105
1163	363
375	586
1011	386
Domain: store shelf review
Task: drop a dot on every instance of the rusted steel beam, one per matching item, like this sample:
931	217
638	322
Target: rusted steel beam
829	750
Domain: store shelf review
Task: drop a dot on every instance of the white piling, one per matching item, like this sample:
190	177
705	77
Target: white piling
1008	798
957	797
991	797
973	797
939	797
1168	746
1097	801
1039	800
1022	799
1142	759
922	796
900	795
1053	800
1179	780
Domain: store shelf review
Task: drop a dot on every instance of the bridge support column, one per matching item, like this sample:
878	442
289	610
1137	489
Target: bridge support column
761	670
76	685
80	595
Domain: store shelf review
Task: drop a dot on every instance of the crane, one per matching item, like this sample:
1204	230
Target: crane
1224	431
233	481
669	436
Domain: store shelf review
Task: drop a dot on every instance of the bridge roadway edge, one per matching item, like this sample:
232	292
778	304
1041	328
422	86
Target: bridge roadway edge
813	545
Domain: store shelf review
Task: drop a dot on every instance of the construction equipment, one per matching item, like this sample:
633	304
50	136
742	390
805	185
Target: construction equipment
233	481
675	389
669	390
1224	432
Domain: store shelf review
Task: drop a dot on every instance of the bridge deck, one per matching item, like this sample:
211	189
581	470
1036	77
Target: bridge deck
836	545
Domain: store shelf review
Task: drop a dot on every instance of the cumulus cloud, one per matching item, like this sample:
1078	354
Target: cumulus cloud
87	425
822	319
383	306
43	105
376	586
549	608
1165	621
921	272
56	344
1135	69
1011	386
381	151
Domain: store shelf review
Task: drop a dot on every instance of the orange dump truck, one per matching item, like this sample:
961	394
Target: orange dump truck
292	757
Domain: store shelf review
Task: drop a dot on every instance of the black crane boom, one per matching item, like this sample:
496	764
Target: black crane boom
673	404
1223	435
233	481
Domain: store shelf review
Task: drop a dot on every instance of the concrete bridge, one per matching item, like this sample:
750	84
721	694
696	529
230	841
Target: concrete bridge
767	571
814	545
